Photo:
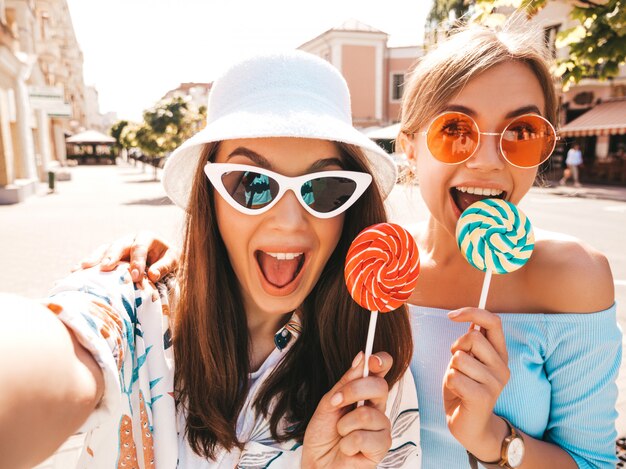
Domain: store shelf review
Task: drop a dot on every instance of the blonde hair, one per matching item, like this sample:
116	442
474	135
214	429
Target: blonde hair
441	74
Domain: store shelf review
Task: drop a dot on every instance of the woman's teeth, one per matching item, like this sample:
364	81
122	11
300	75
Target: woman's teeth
288	256
480	191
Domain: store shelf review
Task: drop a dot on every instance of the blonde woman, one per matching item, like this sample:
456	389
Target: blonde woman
478	119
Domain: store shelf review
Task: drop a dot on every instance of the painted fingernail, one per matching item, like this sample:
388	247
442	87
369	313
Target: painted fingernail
454	314
336	399
357	360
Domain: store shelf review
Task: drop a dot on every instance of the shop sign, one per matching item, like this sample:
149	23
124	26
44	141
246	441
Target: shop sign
50	99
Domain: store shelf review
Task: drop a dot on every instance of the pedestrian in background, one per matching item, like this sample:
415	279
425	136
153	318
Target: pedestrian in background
573	162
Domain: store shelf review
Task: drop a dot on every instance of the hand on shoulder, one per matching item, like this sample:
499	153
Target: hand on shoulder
568	275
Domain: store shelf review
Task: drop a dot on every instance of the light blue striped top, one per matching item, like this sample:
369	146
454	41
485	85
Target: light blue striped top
562	387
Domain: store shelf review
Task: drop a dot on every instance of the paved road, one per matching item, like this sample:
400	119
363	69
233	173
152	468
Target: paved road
43	237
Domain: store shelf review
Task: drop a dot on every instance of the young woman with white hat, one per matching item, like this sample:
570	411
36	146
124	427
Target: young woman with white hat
257	322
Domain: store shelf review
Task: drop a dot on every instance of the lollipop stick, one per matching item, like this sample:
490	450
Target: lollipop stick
369	344
483	294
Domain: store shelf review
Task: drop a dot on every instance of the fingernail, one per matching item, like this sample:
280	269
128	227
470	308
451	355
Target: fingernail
134	275
357	360
380	360
454	314
155	273
106	260
336	399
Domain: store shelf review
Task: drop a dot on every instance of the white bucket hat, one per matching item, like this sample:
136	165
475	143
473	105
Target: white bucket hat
289	94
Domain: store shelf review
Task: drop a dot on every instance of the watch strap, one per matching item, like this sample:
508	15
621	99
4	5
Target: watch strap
502	463
473	462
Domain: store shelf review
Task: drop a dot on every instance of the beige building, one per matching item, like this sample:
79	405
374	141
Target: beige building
374	72
197	94
42	92
593	112
94	119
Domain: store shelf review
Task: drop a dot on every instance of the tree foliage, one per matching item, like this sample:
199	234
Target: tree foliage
440	12
165	126
596	44
116	129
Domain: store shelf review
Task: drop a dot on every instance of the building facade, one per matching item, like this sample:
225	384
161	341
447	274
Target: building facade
42	92
196	94
375	73
593	112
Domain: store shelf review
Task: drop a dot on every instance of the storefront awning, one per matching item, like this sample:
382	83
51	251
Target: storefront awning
607	118
90	137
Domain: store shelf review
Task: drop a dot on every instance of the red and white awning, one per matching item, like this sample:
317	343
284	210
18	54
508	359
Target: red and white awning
607	118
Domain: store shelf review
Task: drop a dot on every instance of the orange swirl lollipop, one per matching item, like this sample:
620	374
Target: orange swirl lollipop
382	266
381	272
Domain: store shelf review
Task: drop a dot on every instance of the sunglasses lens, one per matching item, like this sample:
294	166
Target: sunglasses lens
452	137
326	194
249	189
528	141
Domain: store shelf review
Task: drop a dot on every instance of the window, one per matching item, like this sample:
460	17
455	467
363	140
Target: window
397	86
550	38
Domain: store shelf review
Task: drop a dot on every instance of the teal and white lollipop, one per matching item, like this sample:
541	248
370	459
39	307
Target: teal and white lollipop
496	237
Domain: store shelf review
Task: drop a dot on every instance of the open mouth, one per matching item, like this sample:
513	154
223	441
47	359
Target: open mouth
464	196
280	268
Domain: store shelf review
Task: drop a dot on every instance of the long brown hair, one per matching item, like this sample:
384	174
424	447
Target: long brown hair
211	341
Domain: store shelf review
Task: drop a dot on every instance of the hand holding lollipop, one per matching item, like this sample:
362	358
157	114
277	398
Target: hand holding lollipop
381	272
494	236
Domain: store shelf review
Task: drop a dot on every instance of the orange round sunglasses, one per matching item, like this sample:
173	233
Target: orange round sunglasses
526	141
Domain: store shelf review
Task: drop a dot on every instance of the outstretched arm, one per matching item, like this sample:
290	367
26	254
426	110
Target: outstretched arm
50	383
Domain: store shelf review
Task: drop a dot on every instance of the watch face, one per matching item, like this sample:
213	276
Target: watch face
515	452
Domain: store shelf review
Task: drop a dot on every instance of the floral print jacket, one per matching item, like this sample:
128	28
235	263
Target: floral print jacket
126	328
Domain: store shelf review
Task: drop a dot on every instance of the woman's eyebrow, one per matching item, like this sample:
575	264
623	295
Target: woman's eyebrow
321	164
532	109
252	155
459	108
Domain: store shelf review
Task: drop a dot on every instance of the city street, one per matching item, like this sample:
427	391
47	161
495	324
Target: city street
43	237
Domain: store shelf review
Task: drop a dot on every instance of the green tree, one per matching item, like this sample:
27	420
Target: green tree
440	11
116	132
167	125
128	136
597	43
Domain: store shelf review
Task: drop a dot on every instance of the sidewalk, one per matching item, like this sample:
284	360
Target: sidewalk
587	191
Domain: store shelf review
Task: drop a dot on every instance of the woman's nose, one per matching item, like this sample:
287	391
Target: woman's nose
288	213
488	155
